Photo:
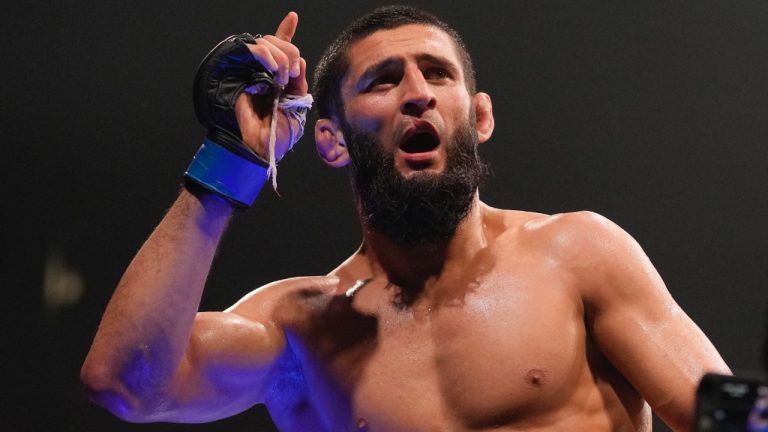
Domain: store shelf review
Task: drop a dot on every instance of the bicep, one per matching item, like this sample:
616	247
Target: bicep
643	331
656	346
224	368
661	351
231	354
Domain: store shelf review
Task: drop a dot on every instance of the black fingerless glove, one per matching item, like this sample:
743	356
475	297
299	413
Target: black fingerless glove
222	75
224	165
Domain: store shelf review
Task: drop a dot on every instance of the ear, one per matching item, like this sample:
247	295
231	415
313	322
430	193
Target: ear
330	144
483	116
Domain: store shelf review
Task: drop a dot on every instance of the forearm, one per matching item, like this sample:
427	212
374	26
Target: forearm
146	327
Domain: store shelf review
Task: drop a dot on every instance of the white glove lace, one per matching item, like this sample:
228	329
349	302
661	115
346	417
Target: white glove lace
295	108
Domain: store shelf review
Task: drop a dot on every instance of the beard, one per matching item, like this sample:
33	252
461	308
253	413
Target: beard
425	208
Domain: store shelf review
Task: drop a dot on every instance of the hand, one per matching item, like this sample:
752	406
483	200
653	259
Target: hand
254	112
240	121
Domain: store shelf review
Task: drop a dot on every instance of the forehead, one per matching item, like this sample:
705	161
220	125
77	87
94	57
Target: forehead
405	41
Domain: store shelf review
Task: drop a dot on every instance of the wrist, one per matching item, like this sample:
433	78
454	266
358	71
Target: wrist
226	174
206	197
209	212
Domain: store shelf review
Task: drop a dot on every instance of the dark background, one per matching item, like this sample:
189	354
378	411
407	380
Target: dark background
650	113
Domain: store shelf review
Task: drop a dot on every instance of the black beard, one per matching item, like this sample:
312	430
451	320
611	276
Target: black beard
425	208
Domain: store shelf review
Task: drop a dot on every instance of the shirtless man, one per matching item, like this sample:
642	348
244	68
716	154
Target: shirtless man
452	315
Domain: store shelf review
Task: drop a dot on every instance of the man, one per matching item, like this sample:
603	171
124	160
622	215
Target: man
452	315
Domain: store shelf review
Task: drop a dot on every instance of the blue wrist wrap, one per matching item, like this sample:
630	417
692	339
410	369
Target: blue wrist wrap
227	174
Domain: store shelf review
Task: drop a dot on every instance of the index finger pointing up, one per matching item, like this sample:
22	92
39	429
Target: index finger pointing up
287	27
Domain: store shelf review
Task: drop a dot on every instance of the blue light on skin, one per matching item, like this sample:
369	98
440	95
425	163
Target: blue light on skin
134	378
117	404
287	395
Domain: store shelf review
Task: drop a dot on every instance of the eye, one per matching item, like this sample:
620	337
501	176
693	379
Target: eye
382	82
437	73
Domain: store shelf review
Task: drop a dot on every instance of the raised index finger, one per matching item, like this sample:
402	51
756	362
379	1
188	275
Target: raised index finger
287	27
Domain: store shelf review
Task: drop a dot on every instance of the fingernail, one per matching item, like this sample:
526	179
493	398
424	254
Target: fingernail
295	69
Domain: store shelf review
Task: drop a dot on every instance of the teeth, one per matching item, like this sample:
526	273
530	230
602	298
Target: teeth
420	142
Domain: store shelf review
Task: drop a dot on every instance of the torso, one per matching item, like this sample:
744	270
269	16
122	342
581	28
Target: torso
502	347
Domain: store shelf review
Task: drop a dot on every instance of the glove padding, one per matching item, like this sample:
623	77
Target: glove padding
222	75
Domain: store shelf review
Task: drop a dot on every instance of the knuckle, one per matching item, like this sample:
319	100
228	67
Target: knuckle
262	42
293	51
282	59
259	50
288	48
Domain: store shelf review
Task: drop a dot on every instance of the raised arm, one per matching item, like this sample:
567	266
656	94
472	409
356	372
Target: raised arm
636	322
154	358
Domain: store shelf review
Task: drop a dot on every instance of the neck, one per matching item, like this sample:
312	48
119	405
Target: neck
414	268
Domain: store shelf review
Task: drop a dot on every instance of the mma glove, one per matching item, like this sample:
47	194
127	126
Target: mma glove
224	164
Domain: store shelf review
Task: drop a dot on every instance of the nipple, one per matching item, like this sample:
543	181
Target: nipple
535	377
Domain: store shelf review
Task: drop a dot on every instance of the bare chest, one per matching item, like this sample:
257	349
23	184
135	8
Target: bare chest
502	349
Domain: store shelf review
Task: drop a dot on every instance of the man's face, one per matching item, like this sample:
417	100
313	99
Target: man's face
406	88
411	134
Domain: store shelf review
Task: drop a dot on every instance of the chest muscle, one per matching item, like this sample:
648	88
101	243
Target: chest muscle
505	349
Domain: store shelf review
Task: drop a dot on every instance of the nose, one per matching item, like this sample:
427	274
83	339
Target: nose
417	94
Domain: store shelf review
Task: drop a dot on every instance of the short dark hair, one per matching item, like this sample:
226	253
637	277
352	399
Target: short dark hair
334	62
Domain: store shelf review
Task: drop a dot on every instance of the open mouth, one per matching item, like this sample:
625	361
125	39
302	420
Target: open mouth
420	142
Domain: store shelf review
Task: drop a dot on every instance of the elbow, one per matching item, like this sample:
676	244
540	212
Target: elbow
103	386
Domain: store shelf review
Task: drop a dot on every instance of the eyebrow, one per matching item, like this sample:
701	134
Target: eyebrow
386	63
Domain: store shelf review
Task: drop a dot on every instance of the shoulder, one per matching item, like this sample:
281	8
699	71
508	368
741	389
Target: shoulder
568	223
605	262
565	234
581	238
279	297
584	243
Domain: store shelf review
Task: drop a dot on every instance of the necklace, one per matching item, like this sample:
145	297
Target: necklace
356	287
